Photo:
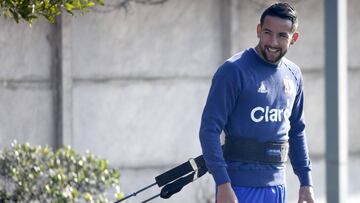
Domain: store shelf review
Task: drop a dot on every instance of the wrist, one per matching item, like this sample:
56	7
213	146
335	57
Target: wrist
224	186
305	178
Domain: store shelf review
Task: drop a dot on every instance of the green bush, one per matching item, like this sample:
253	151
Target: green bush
37	174
28	10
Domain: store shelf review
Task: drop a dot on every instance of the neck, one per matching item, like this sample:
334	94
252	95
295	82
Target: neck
259	53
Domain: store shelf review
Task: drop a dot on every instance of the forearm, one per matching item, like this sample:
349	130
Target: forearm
220	102
300	160
213	155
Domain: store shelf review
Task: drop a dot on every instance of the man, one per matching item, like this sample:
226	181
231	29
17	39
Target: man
256	98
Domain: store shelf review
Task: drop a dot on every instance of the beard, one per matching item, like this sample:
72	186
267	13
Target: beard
272	59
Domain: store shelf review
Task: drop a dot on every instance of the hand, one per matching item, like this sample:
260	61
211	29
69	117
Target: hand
306	194
226	194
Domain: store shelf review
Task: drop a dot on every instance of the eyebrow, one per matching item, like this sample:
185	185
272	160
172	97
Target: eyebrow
281	33
266	29
284	33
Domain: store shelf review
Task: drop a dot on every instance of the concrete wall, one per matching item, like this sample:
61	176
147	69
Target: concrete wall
151	83
26	87
139	81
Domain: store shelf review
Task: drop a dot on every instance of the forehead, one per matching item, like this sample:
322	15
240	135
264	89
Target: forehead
277	24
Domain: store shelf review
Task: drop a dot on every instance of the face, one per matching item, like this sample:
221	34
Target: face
275	37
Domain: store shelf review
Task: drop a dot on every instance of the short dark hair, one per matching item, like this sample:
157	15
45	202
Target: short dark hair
281	10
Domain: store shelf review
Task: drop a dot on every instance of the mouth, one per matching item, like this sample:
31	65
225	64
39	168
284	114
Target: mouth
272	50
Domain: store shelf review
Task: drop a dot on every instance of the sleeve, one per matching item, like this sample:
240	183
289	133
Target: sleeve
220	103
298	151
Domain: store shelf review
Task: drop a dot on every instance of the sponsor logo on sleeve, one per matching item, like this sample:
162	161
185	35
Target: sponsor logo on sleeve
289	87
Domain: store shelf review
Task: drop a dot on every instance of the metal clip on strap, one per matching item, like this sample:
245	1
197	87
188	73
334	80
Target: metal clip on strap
194	167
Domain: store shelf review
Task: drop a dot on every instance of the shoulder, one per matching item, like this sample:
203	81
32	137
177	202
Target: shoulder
236	62
240	57
292	67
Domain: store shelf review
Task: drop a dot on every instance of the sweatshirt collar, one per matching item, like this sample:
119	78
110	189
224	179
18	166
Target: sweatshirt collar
262	62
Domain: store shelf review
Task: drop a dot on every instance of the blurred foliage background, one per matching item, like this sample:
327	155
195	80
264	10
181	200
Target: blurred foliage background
38	174
28	10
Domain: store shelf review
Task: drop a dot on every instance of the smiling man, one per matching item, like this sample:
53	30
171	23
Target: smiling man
257	99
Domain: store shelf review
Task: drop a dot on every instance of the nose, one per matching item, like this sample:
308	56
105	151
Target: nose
274	41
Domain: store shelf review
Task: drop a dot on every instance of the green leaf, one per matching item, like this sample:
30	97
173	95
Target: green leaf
101	2
68	6
103	165
88	197
77	4
15	15
90	4
119	195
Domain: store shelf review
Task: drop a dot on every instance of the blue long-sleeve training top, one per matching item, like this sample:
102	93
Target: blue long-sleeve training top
251	98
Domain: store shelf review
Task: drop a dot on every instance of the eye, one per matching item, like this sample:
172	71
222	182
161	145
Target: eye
284	36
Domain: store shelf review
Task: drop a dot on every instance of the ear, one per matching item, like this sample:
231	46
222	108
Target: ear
258	30
294	38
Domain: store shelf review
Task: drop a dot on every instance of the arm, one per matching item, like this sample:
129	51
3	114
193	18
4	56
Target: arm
225	194
220	103
298	153
306	194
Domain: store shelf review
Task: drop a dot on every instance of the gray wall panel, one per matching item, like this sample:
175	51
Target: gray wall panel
315	115
353	33
354	110
179	38
27	114
26	52
314	111
142	123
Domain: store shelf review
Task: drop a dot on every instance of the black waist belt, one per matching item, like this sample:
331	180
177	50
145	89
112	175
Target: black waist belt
250	150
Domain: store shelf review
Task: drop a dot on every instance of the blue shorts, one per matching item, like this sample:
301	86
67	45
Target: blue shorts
271	194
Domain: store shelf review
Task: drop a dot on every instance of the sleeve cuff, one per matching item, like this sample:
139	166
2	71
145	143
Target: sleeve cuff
305	178
220	176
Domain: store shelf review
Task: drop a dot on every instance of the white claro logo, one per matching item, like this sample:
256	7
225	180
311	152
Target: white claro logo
259	114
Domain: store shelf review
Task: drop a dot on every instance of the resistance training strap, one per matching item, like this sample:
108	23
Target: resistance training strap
180	171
